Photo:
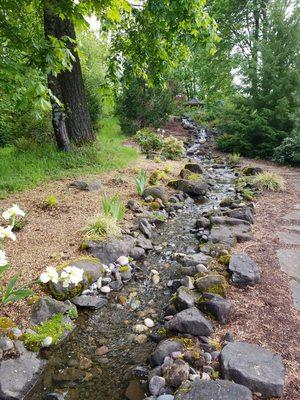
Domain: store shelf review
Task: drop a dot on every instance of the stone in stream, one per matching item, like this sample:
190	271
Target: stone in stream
185	298
215	305
191	260
165	348
18	375
194	167
230	234
145	227
190	187
244	270
54	396
47	307
108	252
190	321
211	283
144	243
157	385
253	366
203	222
212	390
93	302
176	372
243	213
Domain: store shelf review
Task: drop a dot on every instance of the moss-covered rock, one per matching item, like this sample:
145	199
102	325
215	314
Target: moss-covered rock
191	187
212	283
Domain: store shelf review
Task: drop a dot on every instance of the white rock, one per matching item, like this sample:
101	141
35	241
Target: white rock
149	322
139	328
99	283
105	289
205	376
155	279
154	272
47	341
122	260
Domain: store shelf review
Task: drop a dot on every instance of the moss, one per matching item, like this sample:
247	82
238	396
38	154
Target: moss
6	323
215	375
215	344
54	327
124	268
33	299
224	259
62	294
153	206
195	177
73	313
157	176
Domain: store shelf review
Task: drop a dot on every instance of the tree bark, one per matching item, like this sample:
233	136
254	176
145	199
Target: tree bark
72	122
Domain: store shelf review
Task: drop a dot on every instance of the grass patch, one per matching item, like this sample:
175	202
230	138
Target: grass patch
20	170
101	229
269	181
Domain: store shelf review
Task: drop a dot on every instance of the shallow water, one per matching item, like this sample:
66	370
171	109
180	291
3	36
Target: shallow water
109	376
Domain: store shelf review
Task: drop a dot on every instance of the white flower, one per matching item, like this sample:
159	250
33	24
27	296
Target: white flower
47	341
13	211
50	275
3	258
71	274
7	233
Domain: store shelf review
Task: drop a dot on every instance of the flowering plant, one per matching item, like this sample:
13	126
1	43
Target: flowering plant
69	275
9	292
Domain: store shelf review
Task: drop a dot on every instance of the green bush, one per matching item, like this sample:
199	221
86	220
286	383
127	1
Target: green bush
173	149
149	141
289	151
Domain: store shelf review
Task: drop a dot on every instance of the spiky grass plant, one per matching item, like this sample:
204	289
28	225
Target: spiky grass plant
140	182
269	181
101	228
113	207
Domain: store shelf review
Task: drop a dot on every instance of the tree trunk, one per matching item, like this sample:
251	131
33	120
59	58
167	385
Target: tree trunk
73	122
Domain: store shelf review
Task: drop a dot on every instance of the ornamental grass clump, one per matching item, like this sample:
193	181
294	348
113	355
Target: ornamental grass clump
140	182
102	228
269	181
234	158
113	207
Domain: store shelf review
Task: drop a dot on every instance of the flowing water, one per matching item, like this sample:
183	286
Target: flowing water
107	377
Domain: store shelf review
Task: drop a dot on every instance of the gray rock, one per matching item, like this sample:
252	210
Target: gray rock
212	283
18	375
191	260
194	167
230	234
108	252
253	366
215	305
6	343
144	243
165	348
157	192
244	270
145	227
203	222
157	385
188	282
137	253
54	396
47	307
243	213
176	373
190	187
212	390
190	321
166	397
85	301
134	206
92	268
89	186
185	298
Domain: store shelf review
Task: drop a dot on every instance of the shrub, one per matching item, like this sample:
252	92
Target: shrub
156	176
149	141
102	228
51	201
269	181
289	151
140	182
173	149
113	207
234	158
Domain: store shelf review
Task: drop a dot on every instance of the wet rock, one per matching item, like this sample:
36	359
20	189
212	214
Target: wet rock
18	375
192	260
93	302
165	348
253	366
190	321
194	167
215	305
244	213
157	192
185	298
157	385
176	373
203	222
140	339
230	234
144	243
149	323
188	282
88	186
190	187
141	372
108	252
145	227
244	270
47	307
212	390
212	283
135	391
6	343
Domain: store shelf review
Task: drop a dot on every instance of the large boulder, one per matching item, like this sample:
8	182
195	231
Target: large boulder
244	270
194	167
190	187
215	305
165	348
190	321
253	366
157	192
212	390
228	231
18	375
243	213
93	302
47	307
109	251
211	283
185	298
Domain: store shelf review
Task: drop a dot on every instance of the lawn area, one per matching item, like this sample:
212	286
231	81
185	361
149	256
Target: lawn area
26	168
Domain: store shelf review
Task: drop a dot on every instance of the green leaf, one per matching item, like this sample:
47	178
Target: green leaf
17	295
11	284
3	269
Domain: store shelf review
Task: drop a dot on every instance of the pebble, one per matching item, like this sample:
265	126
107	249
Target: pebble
155	279
154	272
192	377
176	354
99	283
122	261
140	328
16	332
85	363
6	343
201	268
168	317
205	376
149	323
101	351
207	357
140	339
105	289
47	341
157	385
135	304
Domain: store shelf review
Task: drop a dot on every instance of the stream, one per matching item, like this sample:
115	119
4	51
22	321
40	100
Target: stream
73	369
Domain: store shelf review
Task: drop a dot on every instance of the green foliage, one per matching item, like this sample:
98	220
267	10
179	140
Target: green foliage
269	181
140	182
289	151
51	201
40	164
157	176
234	158
113	207
148	140
9	293
173	149
102	228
